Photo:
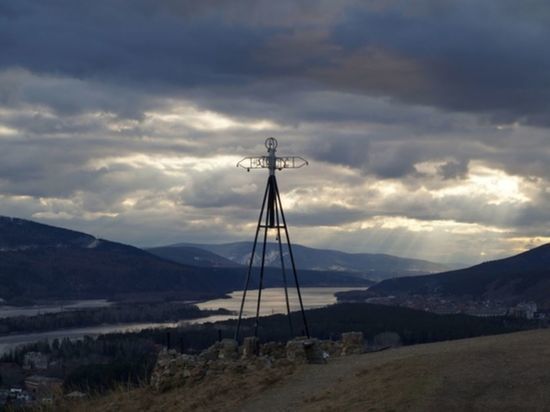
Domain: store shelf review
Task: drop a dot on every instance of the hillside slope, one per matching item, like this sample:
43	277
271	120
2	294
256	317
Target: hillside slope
194	256
479	374
371	266
41	261
518	278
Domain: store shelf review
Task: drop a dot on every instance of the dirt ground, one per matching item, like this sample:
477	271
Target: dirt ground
496	373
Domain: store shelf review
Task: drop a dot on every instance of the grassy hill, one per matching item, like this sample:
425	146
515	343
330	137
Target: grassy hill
494	373
503	373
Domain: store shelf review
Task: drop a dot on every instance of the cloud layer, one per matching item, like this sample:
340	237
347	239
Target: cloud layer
426	125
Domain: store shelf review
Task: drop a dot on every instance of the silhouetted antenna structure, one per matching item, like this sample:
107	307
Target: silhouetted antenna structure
274	219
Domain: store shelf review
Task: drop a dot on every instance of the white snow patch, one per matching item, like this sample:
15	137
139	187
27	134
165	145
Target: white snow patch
93	244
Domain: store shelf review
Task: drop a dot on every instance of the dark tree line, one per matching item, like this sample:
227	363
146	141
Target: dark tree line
92	365
120	313
413	326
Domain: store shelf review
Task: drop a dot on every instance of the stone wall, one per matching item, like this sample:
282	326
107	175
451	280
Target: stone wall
352	343
174	369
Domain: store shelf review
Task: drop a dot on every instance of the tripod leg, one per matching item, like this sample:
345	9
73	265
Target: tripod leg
270	186
247	281
291	258
283	270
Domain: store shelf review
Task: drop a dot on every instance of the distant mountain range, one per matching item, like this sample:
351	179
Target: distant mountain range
369	266
39	261
194	256
518	278
45	262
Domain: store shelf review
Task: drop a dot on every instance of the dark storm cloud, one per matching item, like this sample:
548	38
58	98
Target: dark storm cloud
487	57
141	43
468	55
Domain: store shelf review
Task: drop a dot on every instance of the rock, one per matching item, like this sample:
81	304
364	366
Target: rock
303	350
237	368
352	343
211	353
251	347
229	349
195	373
295	351
173	370
275	350
332	348
314	353
261	362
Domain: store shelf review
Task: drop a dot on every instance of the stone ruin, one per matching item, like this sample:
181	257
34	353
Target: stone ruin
174	369
352	343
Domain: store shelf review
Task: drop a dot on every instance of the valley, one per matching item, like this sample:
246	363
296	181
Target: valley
97	313
135	317
274	205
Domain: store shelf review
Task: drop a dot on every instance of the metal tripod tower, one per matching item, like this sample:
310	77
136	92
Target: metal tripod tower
274	220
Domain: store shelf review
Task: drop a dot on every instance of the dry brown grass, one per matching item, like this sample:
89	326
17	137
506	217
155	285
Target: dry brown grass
214	393
497	373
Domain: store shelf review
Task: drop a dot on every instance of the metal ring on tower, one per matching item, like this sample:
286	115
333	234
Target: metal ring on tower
271	143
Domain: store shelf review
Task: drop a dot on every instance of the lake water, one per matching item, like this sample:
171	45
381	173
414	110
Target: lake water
273	302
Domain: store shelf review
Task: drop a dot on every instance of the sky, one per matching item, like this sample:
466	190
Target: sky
426	123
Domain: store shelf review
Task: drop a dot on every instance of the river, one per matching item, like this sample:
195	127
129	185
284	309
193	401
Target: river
273	302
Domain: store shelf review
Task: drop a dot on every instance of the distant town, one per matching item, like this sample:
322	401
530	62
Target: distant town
446	305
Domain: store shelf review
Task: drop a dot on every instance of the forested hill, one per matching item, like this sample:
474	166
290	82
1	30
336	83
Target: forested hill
194	256
44	262
41	261
518	278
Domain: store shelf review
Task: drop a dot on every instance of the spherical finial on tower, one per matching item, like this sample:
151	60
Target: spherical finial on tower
271	143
